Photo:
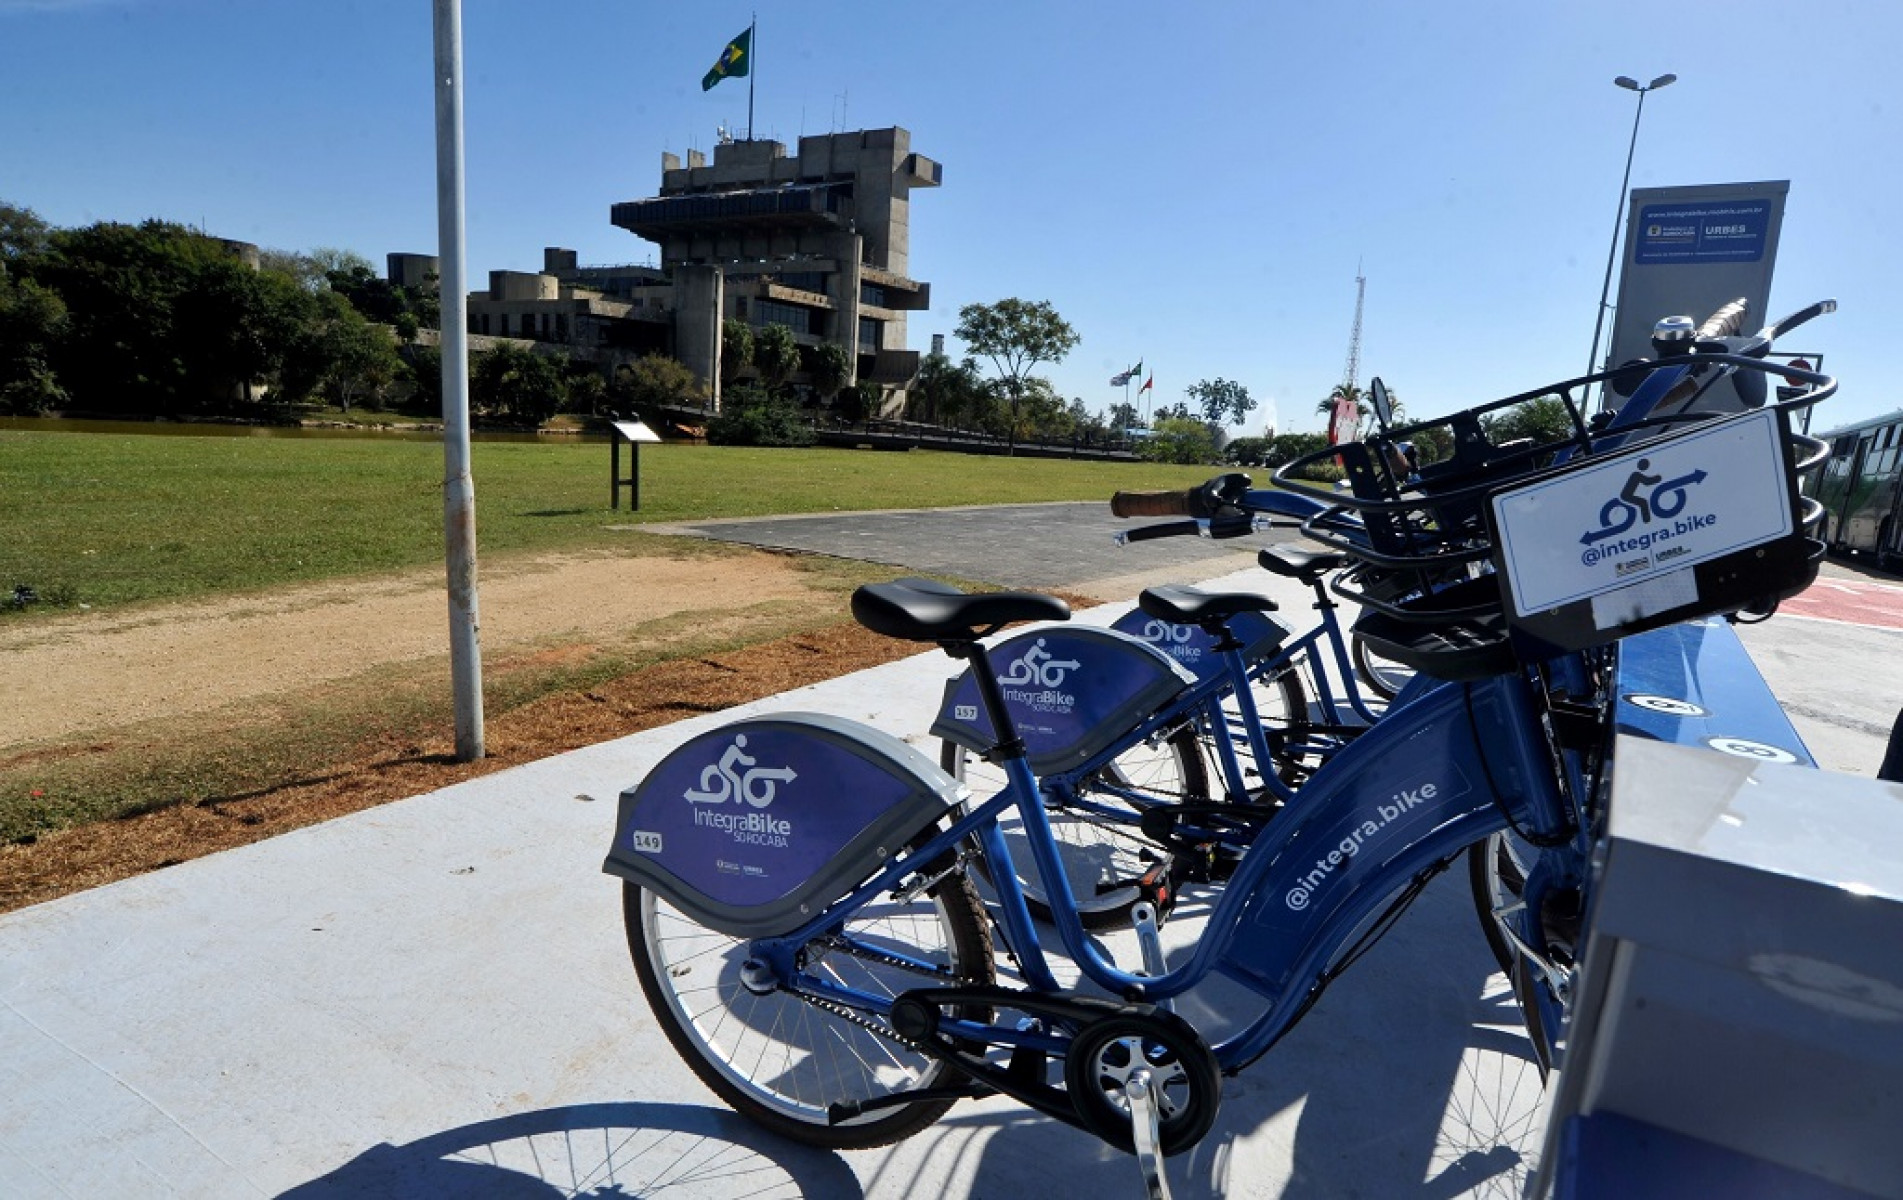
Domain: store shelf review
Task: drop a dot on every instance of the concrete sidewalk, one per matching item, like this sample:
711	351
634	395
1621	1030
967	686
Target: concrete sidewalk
434	998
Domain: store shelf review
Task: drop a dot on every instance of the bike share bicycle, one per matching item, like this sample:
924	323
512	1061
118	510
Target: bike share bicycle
1128	794
811	943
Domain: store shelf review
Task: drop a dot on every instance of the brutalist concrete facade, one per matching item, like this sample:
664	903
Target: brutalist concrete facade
819	242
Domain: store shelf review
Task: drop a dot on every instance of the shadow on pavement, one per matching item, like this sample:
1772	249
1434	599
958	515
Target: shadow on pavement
612	1149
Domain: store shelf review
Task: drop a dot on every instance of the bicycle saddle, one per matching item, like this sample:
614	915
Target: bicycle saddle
1192	606
1292	562
919	610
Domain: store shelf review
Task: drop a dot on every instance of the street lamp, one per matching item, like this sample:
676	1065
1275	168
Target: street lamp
1618	216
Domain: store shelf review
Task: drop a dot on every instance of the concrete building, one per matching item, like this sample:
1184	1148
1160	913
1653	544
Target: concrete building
819	242
608	314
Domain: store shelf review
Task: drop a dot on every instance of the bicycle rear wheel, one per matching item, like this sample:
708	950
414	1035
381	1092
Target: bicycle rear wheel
1382	676
1281	705
1496	869
1098	836
778	1059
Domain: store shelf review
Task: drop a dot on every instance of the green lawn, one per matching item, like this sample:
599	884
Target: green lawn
110	519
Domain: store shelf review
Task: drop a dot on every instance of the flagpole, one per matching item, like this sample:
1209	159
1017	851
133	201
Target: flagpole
753	47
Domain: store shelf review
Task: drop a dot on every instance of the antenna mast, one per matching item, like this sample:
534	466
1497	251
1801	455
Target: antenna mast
1354	338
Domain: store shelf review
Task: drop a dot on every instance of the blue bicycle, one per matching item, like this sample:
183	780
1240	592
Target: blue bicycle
798	896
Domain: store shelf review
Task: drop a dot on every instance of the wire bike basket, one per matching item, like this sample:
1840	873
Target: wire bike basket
1513	552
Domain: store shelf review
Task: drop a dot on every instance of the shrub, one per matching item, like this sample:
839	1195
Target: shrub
749	416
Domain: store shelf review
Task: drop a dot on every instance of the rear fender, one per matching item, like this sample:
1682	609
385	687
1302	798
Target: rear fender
750	827
1072	691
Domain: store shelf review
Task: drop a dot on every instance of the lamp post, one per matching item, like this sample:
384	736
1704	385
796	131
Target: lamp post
1618	215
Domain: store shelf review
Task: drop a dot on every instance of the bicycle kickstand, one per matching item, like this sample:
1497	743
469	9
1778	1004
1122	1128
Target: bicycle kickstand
1146	1135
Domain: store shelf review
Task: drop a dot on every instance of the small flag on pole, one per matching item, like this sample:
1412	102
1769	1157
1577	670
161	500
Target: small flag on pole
1146	384
1136	370
1120	379
736	60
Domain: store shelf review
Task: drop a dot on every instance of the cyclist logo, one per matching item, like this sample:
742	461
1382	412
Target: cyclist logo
1039	668
1644	497
724	781
1164	631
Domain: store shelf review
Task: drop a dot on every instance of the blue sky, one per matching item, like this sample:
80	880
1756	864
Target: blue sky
1191	184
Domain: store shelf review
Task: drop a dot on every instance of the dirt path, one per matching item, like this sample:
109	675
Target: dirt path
76	678
88	671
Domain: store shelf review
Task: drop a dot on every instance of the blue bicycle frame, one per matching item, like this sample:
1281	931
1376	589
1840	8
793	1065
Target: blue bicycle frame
1407	798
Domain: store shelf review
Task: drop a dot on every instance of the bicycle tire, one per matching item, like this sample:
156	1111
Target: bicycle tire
1497	876
1382	676
777	1059
1101	851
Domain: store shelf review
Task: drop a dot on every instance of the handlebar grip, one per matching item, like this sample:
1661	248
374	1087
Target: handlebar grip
1725	322
1154	504
1171	529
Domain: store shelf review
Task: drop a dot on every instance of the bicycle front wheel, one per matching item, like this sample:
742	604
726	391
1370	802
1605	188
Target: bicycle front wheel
778	1059
1098	833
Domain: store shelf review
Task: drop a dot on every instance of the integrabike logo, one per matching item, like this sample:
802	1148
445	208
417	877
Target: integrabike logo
1643	500
1173	640
1036	680
1403	801
754	785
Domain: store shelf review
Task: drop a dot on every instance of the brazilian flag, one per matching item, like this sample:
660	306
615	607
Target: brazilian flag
736	60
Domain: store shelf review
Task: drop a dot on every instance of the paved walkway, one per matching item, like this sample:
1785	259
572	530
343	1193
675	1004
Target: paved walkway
433	998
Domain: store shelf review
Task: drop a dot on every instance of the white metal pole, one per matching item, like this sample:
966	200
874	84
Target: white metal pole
459	491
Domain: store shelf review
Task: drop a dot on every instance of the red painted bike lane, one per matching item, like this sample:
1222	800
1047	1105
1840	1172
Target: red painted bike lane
1852	601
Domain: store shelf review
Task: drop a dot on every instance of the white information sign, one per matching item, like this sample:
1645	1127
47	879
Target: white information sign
635	431
1654	511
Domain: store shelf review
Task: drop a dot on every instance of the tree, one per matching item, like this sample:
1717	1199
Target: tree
1179	440
736	348
947	393
23	236
1397	411
1123	416
827	365
859	401
1016	335
655	381
1222	402
1543	419
425	365
515	384
776	356
33	323
1246	451
1173	412
751	416
361	361
1287	447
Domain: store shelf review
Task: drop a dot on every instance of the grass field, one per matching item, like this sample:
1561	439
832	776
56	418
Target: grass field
108	519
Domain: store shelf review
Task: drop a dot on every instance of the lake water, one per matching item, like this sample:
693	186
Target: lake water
215	429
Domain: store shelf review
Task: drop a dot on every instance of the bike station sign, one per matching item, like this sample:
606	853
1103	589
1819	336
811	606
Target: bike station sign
1690	250
1625	534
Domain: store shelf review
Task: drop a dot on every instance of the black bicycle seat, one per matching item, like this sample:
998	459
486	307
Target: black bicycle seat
1292	562
1192	606
919	610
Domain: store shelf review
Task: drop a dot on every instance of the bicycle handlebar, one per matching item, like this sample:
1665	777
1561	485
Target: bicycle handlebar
1207	500
1154	504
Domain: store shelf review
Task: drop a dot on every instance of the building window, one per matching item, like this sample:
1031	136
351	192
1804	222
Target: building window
873	294
561	327
502	324
773	312
869	333
740	306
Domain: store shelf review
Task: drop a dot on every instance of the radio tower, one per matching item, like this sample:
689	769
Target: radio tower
1354	337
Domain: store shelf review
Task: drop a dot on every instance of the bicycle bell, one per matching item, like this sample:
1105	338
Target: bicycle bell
1673	335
